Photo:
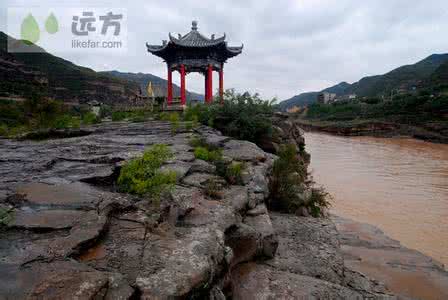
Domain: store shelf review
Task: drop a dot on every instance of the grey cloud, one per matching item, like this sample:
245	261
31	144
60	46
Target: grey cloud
290	46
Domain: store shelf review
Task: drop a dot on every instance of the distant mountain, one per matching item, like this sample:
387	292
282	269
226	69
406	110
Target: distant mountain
159	84
404	77
23	73
311	97
439	77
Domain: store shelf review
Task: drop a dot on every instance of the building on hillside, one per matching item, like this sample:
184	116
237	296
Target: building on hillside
348	97
326	97
293	109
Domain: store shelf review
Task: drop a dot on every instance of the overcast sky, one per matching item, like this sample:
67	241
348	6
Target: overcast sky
289	46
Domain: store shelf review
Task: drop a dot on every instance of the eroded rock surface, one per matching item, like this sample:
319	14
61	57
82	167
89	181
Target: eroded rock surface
308	264
72	235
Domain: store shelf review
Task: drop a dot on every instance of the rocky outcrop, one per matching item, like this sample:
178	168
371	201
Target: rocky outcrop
70	235
308	265
285	130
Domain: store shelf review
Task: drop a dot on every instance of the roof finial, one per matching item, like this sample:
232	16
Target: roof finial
194	25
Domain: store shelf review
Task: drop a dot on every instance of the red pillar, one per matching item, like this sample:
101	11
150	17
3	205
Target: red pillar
221	84
210	83
183	99
170	87
206	87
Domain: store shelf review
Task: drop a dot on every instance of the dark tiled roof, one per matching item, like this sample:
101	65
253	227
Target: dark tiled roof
194	39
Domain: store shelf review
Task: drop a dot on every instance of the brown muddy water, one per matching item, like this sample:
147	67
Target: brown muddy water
399	185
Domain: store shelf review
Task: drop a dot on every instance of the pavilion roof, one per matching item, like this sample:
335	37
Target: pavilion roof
194	39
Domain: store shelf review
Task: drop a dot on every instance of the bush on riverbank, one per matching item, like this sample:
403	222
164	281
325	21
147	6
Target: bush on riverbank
288	186
242	116
142	176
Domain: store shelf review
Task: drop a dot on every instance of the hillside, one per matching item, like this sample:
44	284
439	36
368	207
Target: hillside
421	74
439	79
311	97
159	84
24	73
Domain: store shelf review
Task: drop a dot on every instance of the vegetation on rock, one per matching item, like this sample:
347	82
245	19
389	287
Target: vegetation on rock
142	176
242	116
288	185
38	112
5	216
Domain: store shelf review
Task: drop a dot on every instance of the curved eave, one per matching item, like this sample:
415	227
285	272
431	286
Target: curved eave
155	49
234	51
197	41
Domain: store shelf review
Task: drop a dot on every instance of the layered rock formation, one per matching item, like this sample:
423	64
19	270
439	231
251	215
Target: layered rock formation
70	235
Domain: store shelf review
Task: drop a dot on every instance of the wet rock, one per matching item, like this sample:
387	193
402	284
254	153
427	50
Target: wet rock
200	179
182	201
75	195
176	265
255	281
61	280
237	196
120	250
201	166
258	210
216	294
180	168
255	199
47	219
243	151
263	225
211	213
245	242
213	137
308	246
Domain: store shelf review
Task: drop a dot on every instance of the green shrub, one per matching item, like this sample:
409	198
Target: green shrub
90	118
118	116
174	121
318	201
4	130
138	119
213	189
288	174
206	154
201	153
243	116
5	216
66	121
234	173
142	176
164	116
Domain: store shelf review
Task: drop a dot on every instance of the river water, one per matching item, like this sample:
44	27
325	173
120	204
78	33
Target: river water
399	185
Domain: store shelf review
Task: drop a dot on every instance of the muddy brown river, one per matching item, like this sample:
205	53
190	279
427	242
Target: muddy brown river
399	185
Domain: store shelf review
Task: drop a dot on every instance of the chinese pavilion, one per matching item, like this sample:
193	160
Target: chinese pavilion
194	52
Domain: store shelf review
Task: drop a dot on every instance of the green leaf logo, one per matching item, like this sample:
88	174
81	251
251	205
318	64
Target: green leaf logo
29	30
51	24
